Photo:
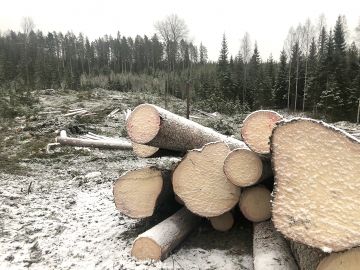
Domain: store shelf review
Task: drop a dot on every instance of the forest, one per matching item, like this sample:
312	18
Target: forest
318	71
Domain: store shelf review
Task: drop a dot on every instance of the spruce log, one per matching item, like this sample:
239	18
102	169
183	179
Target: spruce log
245	168
316	196
223	222
105	144
309	258
270	249
137	193
160	240
200	182
152	125
257	129
147	151
255	203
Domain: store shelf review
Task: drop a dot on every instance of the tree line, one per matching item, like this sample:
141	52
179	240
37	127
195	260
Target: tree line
318	69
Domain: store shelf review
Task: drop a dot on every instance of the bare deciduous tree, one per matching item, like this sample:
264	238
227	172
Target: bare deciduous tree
245	50
289	43
27	24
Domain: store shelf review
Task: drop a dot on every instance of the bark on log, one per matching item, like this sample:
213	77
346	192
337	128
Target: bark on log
309	258
160	240
200	182
316	197
152	125
270	249
137	193
245	168
223	222
105	144
257	129
255	203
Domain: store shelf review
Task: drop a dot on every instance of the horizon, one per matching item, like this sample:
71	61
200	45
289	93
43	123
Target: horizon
269	42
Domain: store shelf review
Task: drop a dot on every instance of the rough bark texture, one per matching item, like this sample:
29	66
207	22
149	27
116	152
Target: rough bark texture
270	249
223	222
309	258
255	203
152	125
200	182
106	144
160	240
316	196
137	193
245	168
257	129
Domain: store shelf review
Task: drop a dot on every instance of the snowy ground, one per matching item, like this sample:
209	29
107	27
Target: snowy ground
55	214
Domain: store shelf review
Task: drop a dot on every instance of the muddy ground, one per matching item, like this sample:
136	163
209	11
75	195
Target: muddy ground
57	210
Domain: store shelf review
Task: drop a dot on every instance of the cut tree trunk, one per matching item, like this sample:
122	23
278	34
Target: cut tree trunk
245	168
152	125
316	197
200	182
270	249
160	240
137	193
147	151
106	144
223	222
257	129
255	203
309	258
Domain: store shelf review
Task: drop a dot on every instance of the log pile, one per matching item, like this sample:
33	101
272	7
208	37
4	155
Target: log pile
296	180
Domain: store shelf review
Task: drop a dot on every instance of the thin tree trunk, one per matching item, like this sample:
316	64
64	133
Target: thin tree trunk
296	81
305	85
289	85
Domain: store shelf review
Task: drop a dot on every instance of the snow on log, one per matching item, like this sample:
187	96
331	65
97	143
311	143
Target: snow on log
316	197
152	125
137	193
223	222
270	249
160	240
309	258
255	203
200	182
257	129
245	168
105	144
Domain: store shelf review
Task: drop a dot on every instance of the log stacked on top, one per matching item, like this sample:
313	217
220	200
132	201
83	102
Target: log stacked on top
315	200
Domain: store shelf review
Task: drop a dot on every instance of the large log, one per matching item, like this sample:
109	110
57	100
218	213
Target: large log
309	258
137	193
245	168
223	222
200	182
255	203
270	249
152	125
257	129
160	240
317	170
105	144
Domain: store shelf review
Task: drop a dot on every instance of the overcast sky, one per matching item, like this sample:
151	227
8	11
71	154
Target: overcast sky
267	21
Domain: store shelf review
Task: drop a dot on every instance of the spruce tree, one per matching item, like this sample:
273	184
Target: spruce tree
281	87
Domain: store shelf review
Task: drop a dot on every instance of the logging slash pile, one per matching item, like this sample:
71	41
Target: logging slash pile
297	180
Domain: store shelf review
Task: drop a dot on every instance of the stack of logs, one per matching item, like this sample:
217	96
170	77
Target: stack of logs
296	179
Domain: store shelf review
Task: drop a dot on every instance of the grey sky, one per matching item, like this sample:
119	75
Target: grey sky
267	22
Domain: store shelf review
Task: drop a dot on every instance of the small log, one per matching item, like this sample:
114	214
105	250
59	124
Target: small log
200	182
245	168
78	112
316	197
270	249
160	240
105	144
223	222
152	125
257	129
309	258
137	193
255	203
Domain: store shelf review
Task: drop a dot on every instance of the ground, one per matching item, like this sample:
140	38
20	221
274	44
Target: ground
57	209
